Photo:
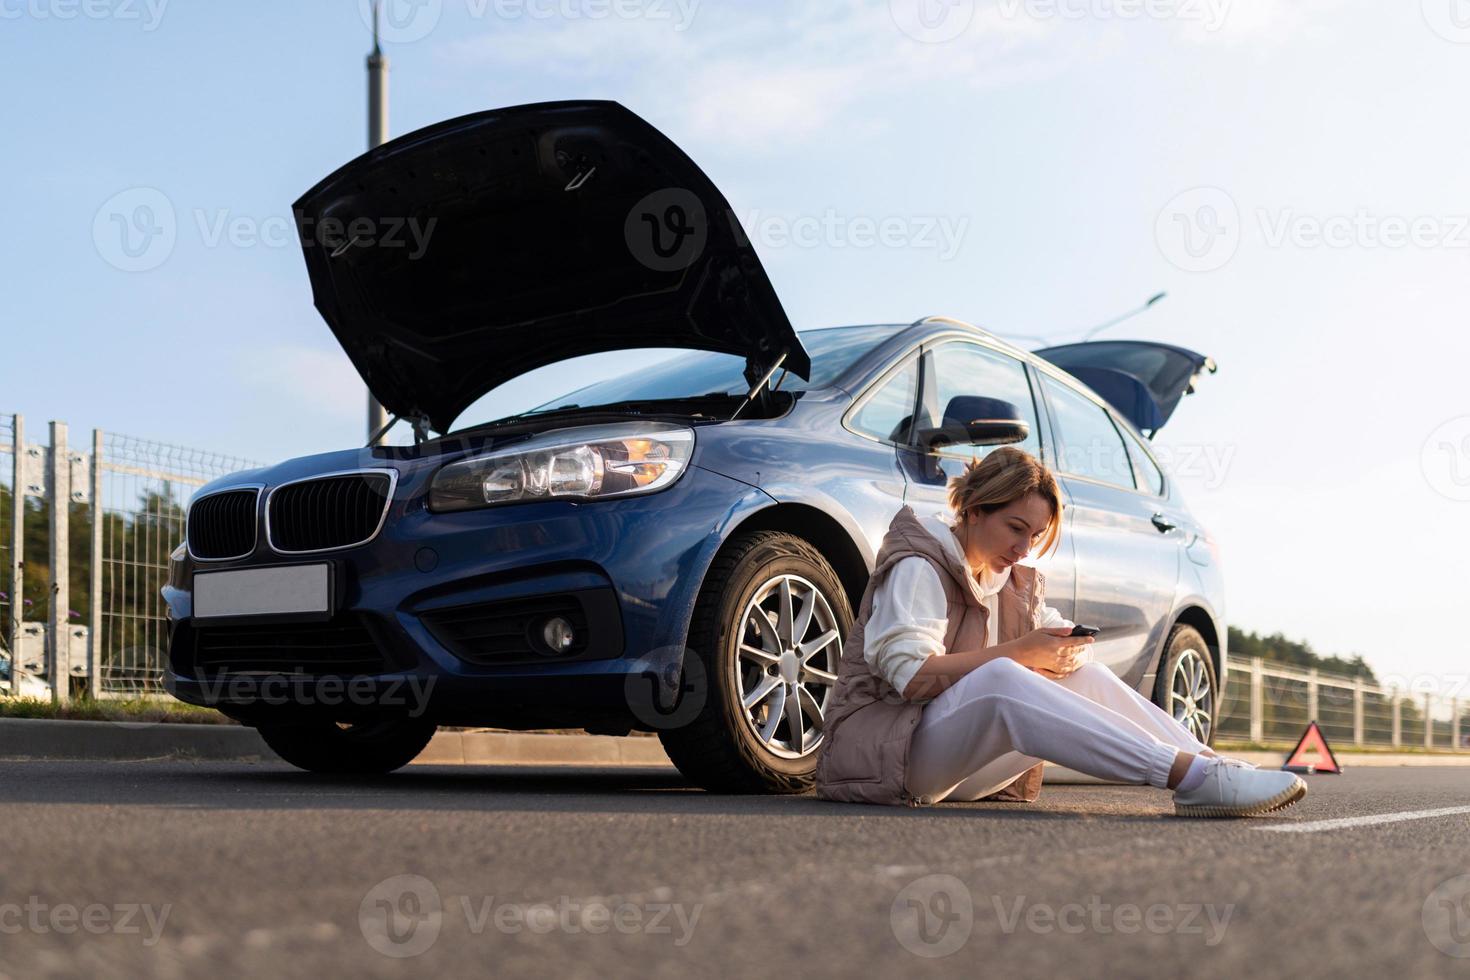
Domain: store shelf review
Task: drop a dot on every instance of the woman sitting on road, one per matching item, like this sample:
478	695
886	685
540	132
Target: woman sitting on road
958	682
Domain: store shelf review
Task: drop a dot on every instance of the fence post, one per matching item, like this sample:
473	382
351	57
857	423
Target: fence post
1428	720
15	574
1358	710
94	613
1258	697
58	624
1312	694
1398	720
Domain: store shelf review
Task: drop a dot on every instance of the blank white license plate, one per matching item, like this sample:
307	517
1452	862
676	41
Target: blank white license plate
288	590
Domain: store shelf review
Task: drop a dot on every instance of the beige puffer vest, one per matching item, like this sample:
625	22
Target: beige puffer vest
868	724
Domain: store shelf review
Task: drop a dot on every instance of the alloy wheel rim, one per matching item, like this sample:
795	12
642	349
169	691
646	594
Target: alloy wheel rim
788	647
1192	702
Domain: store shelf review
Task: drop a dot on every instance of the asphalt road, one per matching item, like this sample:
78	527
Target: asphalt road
218	870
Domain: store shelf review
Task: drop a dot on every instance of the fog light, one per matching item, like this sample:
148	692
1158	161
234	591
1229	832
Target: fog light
558	635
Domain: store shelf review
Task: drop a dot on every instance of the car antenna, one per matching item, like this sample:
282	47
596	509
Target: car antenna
761	384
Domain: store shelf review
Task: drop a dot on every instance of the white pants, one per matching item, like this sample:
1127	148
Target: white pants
1001	719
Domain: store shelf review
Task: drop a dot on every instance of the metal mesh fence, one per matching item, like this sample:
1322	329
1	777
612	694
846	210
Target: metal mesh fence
145	490
1412	720
1235	709
1335	713
1287	706
1377	720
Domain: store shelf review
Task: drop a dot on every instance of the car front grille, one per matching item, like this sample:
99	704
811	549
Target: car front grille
329	512
222	525
342	647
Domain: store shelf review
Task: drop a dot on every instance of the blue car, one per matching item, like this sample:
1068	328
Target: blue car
679	549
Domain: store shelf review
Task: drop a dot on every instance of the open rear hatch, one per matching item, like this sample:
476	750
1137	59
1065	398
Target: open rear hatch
1141	379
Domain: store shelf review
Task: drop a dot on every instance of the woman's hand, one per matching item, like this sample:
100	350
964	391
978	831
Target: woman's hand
1052	651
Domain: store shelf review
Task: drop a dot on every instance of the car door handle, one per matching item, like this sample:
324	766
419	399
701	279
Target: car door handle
1163	525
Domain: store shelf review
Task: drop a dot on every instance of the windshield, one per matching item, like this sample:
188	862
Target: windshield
694	373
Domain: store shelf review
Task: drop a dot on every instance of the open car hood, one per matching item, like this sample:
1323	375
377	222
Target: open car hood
1141	379
460	256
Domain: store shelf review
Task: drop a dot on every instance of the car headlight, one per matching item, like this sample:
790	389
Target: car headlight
589	463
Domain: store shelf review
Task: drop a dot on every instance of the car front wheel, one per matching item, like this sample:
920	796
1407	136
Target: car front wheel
767	634
359	748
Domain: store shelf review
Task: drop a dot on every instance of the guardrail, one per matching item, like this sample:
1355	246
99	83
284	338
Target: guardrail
1272	703
85	543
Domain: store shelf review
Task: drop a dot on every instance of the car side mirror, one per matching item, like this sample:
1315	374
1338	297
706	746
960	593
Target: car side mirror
976	421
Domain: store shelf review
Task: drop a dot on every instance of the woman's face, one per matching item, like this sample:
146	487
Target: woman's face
1006	536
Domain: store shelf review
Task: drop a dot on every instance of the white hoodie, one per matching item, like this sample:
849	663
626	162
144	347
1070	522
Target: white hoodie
908	621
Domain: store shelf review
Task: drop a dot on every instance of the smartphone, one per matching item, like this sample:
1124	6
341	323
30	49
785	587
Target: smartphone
1080	630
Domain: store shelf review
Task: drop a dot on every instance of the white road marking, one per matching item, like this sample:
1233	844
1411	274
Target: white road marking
1378	818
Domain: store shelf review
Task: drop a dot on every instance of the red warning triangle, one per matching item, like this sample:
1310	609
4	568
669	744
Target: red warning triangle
1313	743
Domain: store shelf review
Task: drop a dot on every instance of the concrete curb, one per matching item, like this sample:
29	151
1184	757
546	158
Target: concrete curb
42	738
34	738
26	738
521	748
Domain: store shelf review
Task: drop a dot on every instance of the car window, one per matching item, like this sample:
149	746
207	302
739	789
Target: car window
1088	444
963	369
1150	477
888	413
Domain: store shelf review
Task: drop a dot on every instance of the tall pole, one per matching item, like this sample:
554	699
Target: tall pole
377	67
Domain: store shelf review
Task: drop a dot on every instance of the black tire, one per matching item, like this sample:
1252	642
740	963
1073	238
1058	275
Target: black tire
717	748
370	747
1187	651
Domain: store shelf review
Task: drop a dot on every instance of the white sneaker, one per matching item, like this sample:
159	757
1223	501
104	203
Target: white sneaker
1232	788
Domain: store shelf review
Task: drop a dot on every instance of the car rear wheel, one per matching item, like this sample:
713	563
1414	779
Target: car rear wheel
356	748
1187	686
767	633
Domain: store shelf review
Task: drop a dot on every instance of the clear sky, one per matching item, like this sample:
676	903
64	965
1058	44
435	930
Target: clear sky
1292	172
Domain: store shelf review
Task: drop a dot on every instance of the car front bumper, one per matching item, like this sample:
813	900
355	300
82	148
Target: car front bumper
428	612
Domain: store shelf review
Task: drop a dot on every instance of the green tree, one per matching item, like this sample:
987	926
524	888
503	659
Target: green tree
1276	648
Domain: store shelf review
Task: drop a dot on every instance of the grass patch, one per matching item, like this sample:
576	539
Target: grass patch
145	710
